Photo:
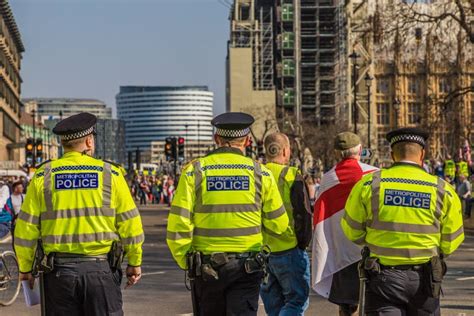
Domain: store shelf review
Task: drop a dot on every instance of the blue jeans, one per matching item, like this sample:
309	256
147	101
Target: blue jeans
287	289
4	229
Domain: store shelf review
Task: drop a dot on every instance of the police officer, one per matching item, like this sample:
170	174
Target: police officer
221	203
407	218
449	168
79	206
287	290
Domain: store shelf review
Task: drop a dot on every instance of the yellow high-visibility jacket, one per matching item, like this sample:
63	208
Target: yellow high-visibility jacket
80	205
404	215
221	203
285	177
463	168
450	168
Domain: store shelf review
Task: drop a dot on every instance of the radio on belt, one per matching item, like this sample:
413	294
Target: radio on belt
66	181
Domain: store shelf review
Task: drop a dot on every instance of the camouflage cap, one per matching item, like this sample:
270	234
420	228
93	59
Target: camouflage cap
346	140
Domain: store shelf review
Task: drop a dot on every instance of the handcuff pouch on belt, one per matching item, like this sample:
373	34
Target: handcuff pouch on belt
115	259
42	263
435	272
257	262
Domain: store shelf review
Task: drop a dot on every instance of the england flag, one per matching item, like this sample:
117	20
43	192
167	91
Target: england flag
332	251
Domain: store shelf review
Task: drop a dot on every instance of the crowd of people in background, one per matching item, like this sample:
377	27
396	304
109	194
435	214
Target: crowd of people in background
153	189
12	194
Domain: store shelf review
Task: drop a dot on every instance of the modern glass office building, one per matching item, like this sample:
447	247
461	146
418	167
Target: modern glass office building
56	108
152	113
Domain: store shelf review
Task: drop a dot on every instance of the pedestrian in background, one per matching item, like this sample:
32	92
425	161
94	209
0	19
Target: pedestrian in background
408	220
143	190
464	191
286	291
222	202
335	258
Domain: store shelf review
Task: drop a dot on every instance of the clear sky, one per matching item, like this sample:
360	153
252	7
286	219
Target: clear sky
88	48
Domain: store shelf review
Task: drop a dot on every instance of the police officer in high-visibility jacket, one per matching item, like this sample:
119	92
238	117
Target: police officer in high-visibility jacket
221	204
287	290
449	168
462	168
409	220
79	206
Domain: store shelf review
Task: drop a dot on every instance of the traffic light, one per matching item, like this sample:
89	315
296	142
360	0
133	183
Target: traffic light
170	148
248	149
29	151
39	150
181	148
260	153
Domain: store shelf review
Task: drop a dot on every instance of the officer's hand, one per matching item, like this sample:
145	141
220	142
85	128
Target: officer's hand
134	274
28	277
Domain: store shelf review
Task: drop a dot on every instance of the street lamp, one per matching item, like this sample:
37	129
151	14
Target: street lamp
368	83
355	114
396	105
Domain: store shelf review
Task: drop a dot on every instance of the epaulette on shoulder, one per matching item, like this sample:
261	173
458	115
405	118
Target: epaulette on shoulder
113	163
189	164
116	165
43	163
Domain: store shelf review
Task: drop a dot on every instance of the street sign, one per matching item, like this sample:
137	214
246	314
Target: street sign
366	154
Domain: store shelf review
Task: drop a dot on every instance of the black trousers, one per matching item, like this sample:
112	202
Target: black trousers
400	293
86	288
235	293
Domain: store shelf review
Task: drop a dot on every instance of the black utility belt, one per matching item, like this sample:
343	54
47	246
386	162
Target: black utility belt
219	257
404	267
63	258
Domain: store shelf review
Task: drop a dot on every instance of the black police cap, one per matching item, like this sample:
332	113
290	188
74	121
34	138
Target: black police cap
76	126
408	134
233	124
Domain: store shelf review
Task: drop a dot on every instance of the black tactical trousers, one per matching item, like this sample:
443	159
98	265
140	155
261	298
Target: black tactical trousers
400	293
235	293
85	288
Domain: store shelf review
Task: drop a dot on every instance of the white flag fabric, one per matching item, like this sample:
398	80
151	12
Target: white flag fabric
332	251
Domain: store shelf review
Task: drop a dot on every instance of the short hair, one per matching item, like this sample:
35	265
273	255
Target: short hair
351	152
274	144
15	184
70	144
236	141
406	149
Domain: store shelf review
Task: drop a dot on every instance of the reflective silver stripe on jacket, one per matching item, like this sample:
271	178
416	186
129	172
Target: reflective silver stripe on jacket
79	238
281	179
376	223
226	232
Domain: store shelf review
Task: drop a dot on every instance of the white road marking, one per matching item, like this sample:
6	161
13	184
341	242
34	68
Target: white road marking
190	314
465	279
153	273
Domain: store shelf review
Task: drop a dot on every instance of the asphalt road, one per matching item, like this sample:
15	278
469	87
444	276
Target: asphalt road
162	291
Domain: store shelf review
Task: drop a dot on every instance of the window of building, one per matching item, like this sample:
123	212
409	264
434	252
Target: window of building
413	85
383	85
244	12
9	128
444	85
472	112
383	113
414	113
382	143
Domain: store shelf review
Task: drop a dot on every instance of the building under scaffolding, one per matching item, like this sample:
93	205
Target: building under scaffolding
284	60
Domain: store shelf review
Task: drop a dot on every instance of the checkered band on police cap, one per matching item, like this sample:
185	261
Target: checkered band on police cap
408	138
232	133
78	135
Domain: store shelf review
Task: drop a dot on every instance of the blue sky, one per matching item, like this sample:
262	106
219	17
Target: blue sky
88	48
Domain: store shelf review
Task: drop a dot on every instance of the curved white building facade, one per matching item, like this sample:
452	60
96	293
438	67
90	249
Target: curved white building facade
152	113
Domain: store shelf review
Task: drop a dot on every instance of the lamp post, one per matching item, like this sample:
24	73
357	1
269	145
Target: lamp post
34	137
185	141
59	140
396	106
199	139
368	83
355	112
